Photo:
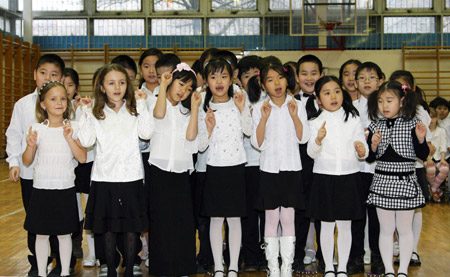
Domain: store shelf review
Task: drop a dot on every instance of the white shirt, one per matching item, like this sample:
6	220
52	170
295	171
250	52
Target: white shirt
303	100
439	140
90	151
169	150
54	168
22	118
226	146
336	155
361	105
253	154
151	101
423	115
118	158
279	150
445	124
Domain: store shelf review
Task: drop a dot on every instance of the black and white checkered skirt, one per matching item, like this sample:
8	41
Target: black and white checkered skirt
395	187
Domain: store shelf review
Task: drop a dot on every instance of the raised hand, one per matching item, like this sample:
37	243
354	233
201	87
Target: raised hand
31	138
68	131
421	131
266	108
196	99
239	100
360	149
166	79
210	120
321	134
86	101
293	108
140	95
376	139
77	102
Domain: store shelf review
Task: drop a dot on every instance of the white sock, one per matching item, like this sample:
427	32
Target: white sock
344	242
80	209
417	227
311	236
327	243
235	239
91	243
216	238
42	252
65	253
404	220
387	228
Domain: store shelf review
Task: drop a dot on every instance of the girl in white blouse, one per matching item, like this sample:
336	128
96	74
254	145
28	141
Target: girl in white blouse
282	125
337	144
53	143
437	161
224	120
117	199
171	226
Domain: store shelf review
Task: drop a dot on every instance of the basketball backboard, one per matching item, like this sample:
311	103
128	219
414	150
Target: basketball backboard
329	17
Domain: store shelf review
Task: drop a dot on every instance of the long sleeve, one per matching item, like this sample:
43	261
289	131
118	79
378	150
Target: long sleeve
246	121
256	118
145	123
203	140
422	150
14	135
87	133
372	155
304	119
313	149
358	135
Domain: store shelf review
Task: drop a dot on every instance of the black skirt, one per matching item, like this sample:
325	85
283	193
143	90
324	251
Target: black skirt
52	212
83	177
116	207
224	194
335	197
171	230
283	189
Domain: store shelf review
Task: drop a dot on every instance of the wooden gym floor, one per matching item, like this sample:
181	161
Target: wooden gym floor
434	245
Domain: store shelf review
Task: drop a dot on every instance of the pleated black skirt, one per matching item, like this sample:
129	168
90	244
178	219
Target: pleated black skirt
224	194
52	212
283	189
83	177
116	207
171	231
335	197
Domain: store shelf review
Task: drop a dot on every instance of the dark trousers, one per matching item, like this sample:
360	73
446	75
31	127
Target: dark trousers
204	256
253	223
27	187
301	220
357	249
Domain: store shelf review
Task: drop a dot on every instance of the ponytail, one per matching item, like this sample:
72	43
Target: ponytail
254	89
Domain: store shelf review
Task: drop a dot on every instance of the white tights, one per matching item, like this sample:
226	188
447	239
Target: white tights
344	243
234	238
285	216
42	253
402	220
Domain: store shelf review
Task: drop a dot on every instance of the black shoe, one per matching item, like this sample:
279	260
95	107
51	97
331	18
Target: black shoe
262	265
355	266
377	266
321	266
33	272
397	261
56	271
298	266
415	262
204	268
250	267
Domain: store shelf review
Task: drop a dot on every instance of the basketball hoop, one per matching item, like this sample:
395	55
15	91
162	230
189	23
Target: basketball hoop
330	25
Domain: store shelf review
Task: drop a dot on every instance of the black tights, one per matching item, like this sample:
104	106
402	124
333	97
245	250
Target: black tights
130	245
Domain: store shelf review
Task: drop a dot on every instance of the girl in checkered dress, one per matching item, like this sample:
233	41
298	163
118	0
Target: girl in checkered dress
396	138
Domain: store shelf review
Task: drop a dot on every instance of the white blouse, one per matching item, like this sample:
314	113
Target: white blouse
279	150
336	155
226	146
118	158
169	149
361	106
54	167
439	140
90	151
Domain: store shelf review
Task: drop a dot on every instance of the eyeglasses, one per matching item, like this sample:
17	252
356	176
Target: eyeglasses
370	79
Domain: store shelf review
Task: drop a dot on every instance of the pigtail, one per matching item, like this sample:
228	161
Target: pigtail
254	89
422	98
347	104
372	105
290	77
409	104
208	97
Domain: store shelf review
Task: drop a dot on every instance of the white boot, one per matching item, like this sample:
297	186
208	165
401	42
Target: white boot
287	250
272	251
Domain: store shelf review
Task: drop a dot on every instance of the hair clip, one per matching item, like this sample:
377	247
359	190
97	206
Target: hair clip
259	75
183	66
285	69
404	87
